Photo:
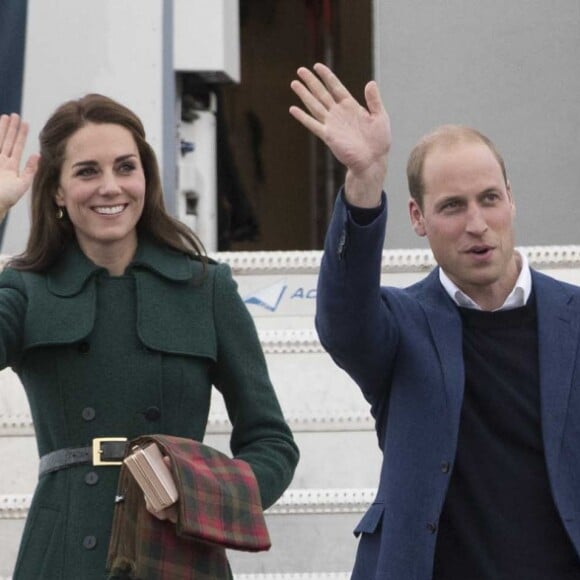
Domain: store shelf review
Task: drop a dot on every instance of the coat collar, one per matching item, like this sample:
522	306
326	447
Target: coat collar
73	269
162	260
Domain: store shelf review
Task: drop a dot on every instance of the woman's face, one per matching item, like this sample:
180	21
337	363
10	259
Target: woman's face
102	188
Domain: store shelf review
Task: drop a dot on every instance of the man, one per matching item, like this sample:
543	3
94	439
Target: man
473	374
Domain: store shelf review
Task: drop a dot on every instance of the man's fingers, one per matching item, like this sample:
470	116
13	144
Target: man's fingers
324	85
314	126
332	83
373	99
315	86
316	108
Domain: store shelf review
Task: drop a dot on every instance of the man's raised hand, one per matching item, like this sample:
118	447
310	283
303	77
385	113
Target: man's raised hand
359	137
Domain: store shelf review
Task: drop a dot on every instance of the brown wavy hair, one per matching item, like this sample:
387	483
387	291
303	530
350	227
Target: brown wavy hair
48	235
446	136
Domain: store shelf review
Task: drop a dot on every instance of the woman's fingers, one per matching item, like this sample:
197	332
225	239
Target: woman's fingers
13	134
19	141
159	515
4	121
169	513
30	168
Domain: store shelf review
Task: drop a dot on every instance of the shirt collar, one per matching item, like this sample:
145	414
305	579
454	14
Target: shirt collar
72	270
516	298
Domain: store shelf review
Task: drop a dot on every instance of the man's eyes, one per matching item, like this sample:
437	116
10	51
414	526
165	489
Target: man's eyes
451	205
491	197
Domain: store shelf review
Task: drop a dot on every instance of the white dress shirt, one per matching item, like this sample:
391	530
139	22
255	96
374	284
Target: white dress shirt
516	298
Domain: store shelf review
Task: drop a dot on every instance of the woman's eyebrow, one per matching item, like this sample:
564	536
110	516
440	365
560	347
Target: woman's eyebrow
90	162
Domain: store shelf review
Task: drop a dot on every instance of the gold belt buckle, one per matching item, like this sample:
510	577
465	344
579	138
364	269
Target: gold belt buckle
97	451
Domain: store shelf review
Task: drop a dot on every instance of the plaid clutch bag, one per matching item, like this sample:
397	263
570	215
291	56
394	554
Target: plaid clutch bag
219	507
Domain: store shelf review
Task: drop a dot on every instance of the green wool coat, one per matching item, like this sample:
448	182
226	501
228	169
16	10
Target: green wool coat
103	356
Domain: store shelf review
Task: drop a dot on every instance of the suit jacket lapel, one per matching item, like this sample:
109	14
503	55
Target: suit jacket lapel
558	340
446	330
558	326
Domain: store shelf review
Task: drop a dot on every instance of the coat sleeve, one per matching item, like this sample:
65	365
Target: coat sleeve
353	318
260	435
12	314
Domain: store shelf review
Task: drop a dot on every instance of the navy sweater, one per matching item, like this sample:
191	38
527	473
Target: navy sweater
499	520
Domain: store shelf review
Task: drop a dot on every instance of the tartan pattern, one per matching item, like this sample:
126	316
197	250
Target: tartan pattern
219	508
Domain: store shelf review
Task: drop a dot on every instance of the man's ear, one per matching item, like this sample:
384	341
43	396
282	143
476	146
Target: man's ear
511	198
417	219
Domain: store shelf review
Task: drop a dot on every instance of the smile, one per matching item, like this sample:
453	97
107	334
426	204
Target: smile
109	209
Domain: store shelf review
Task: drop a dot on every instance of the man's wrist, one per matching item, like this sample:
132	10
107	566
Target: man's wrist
364	189
363	216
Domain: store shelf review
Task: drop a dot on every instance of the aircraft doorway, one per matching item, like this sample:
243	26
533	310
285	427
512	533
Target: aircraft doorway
277	184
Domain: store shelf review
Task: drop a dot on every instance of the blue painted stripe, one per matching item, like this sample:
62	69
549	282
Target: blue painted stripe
12	42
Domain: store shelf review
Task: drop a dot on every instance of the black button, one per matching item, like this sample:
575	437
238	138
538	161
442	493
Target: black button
91	478
152	414
88	414
90	542
445	466
84	347
432	527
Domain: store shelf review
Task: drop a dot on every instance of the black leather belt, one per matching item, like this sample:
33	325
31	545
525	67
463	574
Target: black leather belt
104	451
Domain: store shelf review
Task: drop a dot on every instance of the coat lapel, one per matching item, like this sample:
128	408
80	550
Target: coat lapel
445	325
558	326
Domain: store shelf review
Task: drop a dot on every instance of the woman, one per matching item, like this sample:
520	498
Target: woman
117	327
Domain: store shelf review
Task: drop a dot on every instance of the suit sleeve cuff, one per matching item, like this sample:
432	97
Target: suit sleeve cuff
363	216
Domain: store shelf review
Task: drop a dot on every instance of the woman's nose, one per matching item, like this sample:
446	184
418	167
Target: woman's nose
109	184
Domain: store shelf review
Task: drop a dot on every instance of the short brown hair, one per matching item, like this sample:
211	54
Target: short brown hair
48	235
446	135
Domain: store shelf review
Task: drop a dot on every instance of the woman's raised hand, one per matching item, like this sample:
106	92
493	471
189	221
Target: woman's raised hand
359	137
13	182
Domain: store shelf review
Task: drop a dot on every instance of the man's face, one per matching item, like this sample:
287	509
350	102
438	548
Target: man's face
467	216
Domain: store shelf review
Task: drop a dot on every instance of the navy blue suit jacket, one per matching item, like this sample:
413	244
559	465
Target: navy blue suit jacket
403	347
